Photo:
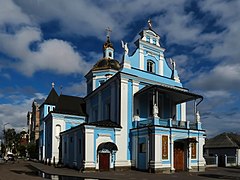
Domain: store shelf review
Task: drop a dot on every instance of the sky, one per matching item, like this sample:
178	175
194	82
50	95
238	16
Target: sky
58	41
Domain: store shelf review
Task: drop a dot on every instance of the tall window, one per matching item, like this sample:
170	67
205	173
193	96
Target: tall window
154	41
57	130
147	38
150	66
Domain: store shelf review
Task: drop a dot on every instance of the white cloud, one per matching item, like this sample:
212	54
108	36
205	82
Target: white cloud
55	55
77	89
221	77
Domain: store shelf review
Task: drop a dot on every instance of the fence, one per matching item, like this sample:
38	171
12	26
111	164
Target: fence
225	161
211	161
230	161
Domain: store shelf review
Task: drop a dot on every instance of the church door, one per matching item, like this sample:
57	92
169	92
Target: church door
179	156
104	161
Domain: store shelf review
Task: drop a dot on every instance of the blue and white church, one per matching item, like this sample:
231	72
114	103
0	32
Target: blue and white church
135	115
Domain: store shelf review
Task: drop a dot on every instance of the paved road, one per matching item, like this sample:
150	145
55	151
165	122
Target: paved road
27	170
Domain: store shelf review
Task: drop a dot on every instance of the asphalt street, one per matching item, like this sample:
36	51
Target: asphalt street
28	170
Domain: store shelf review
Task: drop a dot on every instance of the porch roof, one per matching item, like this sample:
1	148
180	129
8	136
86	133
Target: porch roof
177	94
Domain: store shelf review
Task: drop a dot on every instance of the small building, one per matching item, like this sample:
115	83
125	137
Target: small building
223	145
68	112
136	114
58	113
45	108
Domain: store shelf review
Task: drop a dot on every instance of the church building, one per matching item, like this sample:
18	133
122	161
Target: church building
136	115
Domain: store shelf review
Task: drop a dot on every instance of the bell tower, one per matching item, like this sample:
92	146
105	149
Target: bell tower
108	49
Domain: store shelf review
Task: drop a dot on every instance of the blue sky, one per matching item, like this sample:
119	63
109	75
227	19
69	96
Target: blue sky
58	41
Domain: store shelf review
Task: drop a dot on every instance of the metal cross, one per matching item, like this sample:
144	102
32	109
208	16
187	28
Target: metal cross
108	31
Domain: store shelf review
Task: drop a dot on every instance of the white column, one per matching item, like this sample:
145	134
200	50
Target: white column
189	157
141	59
183	111
157	152
161	59
89	148
201	142
122	137
238	157
172	153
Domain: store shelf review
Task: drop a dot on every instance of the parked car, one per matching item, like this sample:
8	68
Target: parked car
10	157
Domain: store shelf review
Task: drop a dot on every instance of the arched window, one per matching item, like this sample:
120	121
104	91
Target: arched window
110	54
150	66
57	130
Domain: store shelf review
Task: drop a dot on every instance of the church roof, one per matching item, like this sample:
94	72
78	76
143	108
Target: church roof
105	123
224	140
106	63
52	98
178	94
71	105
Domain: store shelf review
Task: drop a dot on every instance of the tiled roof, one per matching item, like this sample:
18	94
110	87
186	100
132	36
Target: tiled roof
224	140
52	98
71	105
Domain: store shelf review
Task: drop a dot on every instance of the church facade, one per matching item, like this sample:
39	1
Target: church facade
136	115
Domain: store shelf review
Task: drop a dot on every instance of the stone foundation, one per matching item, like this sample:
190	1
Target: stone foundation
197	169
161	170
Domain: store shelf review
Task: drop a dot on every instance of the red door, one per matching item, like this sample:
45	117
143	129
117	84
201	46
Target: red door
179	156
104	161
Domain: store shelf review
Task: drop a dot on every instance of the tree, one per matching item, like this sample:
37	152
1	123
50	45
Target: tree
22	150
15	142
32	150
10	137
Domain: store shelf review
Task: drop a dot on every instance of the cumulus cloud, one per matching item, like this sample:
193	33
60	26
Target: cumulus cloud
77	89
16	113
221	77
55	55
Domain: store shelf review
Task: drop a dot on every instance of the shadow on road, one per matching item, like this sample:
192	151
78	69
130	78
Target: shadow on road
218	176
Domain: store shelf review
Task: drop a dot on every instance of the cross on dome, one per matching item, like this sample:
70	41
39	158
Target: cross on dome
108	30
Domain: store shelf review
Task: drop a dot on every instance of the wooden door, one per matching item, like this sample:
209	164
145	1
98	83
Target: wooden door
104	161
179	156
